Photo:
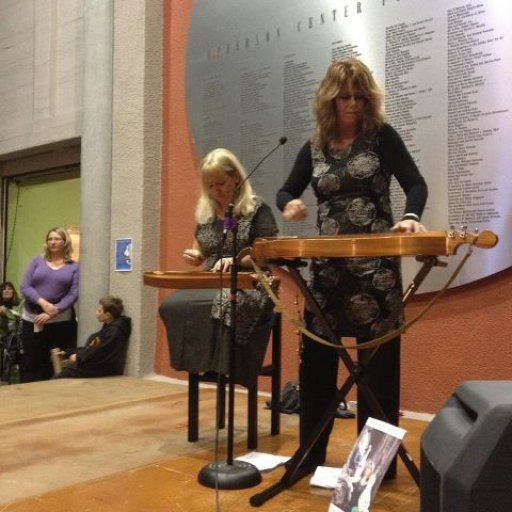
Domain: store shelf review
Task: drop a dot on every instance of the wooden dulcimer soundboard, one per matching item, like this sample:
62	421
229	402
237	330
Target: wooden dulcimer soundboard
180	280
429	243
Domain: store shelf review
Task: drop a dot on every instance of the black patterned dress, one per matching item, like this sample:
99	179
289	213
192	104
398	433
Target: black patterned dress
198	321
360	297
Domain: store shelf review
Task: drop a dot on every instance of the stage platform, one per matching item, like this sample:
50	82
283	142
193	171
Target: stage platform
120	445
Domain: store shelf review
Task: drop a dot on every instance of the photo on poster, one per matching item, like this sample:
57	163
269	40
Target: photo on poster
366	466
123	254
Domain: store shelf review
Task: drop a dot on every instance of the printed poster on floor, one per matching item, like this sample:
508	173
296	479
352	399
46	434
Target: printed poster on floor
362	474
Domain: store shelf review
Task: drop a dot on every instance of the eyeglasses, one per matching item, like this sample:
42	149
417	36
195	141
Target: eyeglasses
348	97
55	239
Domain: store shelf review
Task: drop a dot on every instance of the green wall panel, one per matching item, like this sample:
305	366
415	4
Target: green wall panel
33	207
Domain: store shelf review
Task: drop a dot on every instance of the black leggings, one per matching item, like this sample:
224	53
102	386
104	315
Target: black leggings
36	361
318	385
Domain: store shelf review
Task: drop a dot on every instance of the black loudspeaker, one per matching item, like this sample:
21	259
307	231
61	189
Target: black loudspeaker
466	452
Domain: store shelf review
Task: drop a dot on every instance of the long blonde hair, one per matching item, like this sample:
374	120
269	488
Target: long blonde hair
340	75
68	244
216	164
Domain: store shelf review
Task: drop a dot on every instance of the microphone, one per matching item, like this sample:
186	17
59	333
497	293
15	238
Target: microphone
282	140
229	221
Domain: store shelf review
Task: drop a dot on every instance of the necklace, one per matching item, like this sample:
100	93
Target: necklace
341	152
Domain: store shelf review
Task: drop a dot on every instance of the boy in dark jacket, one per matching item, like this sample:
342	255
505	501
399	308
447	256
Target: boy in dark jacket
105	351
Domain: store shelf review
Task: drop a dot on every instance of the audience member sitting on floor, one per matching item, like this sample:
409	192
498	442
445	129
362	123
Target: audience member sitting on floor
105	351
10	308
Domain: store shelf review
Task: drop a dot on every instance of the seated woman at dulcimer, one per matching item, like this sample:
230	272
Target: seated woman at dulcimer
197	321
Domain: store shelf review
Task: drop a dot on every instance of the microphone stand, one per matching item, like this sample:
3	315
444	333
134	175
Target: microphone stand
233	474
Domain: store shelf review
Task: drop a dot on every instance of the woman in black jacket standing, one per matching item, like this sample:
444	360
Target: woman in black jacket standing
349	162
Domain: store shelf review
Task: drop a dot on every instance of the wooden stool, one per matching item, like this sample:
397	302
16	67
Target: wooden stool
272	370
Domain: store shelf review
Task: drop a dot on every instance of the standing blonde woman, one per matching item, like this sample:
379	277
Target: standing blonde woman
193	318
50	288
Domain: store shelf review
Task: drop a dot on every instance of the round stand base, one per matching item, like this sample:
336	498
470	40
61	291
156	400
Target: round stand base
221	475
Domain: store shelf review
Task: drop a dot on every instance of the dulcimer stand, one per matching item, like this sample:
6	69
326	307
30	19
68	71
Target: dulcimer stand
295	471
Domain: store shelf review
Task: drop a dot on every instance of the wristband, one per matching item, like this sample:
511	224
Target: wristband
411	216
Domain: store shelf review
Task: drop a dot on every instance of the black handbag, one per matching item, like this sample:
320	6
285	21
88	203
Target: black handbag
289	399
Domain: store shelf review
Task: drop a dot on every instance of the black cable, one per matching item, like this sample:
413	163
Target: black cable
10	242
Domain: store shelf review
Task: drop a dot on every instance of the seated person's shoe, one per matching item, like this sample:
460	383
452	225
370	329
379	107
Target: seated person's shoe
343	412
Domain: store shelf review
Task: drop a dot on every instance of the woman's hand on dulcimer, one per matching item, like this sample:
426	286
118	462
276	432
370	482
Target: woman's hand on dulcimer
409	226
193	257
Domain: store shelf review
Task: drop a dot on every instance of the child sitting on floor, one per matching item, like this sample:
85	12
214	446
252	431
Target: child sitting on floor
105	351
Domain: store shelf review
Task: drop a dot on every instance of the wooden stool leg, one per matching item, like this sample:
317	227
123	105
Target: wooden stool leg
193	407
273	370
252	417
